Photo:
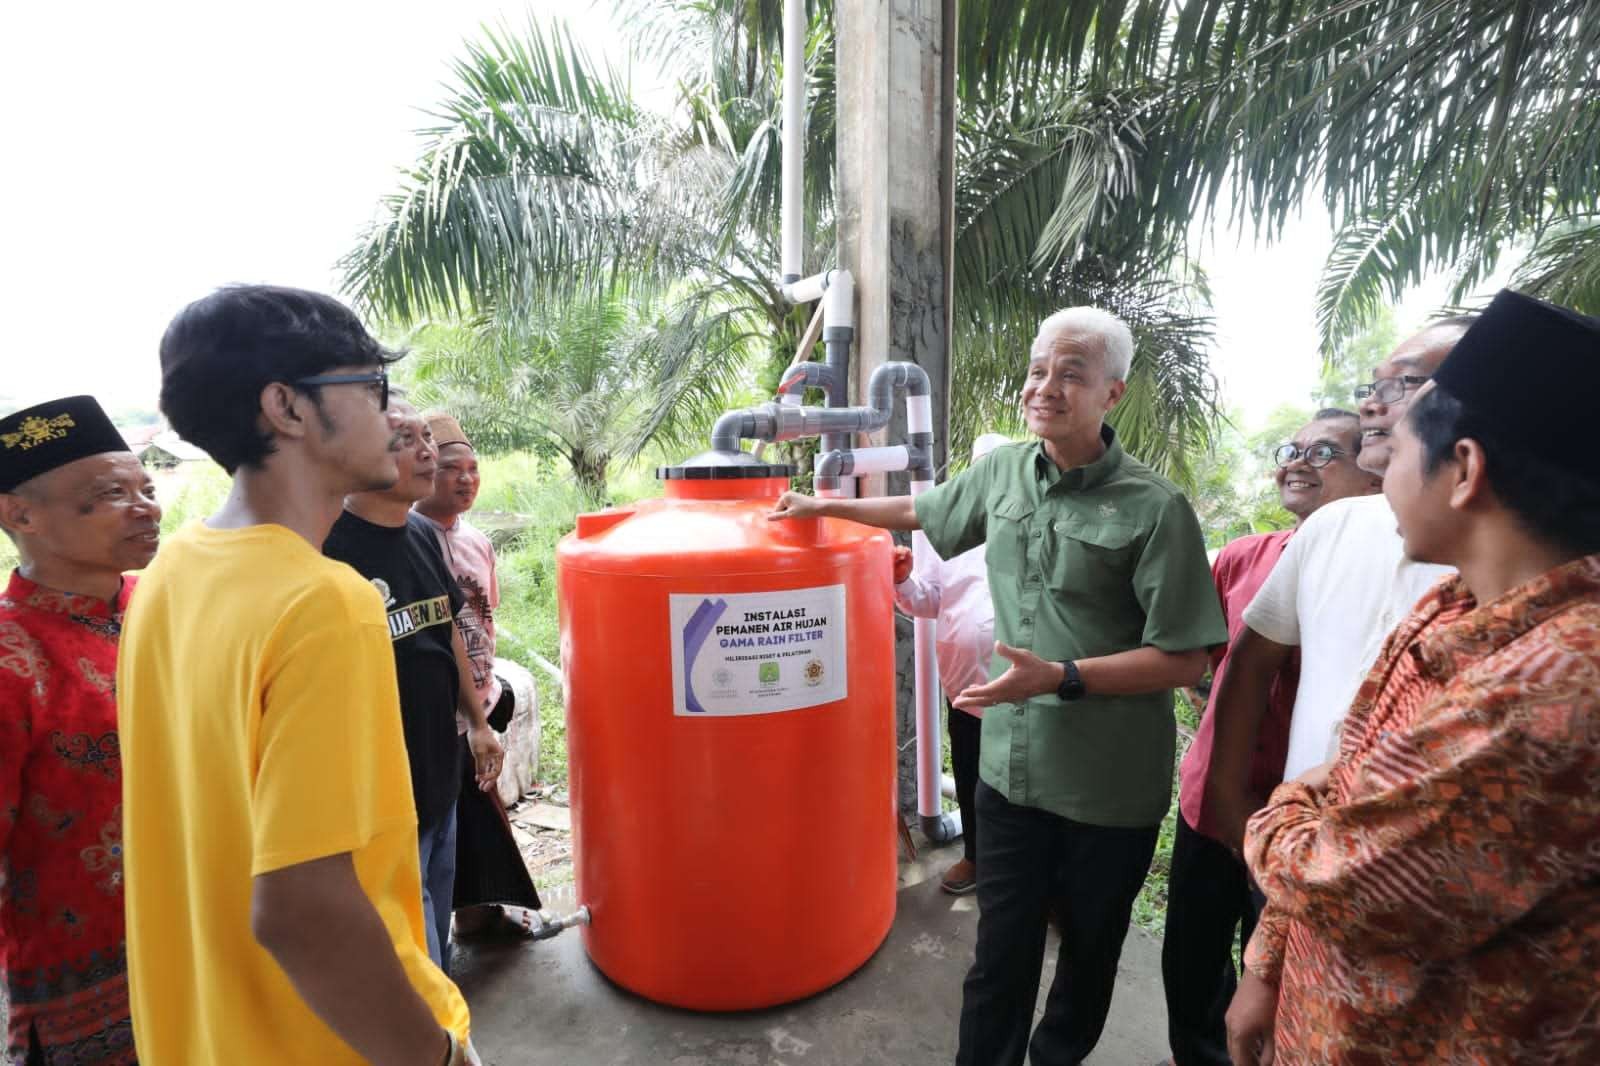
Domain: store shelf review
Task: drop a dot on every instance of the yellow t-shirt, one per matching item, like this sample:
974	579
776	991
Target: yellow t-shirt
260	728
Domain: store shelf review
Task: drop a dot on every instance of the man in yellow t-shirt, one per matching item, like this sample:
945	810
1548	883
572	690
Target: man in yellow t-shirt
273	896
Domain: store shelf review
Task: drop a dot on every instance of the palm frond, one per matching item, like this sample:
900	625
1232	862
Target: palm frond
1564	267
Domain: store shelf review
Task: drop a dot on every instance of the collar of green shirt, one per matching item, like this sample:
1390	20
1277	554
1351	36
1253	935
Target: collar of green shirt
1079	477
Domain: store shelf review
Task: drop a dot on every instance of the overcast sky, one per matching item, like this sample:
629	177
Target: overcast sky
159	149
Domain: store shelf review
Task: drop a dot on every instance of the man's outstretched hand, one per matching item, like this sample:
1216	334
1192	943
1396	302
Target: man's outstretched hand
1027	676
796	505
902	563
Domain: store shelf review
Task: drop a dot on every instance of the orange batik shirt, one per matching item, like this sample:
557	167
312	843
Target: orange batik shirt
1440	901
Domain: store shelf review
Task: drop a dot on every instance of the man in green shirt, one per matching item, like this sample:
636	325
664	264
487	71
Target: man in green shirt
1103	605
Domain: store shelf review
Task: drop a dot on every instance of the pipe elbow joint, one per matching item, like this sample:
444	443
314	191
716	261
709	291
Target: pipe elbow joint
940	829
752	423
834	464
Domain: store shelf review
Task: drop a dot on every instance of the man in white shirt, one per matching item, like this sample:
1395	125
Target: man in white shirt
1341	586
956	593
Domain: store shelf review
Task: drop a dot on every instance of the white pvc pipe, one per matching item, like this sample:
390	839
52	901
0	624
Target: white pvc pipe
919	414
794	120
807	290
839	300
925	673
879	460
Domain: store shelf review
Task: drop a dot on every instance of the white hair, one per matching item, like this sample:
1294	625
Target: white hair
1116	340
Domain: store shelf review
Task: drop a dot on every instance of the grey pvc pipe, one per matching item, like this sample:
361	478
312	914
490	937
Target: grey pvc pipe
941	828
814	375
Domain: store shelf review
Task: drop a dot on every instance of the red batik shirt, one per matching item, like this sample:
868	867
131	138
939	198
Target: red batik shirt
1440	901
61	924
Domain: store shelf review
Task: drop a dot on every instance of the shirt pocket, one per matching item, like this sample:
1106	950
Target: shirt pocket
1092	561
1007	551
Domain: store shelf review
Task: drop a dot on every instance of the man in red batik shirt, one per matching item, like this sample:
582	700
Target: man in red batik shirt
81	511
1433	894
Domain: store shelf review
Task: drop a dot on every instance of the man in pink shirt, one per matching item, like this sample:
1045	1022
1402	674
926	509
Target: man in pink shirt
1209	895
956	593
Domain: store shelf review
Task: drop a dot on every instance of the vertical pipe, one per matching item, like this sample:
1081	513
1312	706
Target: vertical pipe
794	123
925	674
838	331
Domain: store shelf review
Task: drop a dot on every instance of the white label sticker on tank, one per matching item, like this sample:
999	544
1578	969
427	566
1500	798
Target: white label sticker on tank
757	652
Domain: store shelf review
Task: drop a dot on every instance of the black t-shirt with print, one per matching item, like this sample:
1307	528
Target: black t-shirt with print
421	598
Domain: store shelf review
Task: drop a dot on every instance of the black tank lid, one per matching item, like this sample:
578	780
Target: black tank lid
723	466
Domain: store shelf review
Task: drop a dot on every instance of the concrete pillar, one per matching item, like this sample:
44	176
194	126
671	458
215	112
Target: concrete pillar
896	145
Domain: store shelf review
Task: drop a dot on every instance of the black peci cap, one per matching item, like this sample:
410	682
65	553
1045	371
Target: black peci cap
50	435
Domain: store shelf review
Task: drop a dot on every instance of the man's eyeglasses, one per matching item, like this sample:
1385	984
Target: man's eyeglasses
1317	456
1390	390
379	377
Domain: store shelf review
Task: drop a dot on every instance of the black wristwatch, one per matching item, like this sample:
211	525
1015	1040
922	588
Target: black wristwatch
1071	687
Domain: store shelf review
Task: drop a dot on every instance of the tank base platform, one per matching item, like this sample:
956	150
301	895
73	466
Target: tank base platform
544	1004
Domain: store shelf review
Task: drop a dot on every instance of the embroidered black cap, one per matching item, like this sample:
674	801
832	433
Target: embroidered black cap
53	434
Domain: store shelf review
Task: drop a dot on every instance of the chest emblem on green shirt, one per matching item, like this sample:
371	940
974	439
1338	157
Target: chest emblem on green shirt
1107	510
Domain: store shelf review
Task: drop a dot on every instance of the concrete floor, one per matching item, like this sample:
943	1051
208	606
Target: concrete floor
544	1004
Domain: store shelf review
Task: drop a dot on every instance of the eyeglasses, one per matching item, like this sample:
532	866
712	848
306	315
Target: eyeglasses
379	377
1390	390
1316	456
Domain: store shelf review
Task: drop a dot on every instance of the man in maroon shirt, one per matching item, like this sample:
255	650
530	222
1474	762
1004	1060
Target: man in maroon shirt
1209	895
81	511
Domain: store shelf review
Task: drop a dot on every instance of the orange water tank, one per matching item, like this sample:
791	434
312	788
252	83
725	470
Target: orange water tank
730	732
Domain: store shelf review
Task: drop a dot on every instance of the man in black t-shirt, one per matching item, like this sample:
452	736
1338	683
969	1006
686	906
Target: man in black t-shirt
395	549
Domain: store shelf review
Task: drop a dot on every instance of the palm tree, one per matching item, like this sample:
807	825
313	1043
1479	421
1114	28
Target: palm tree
1441	134
594	379
543	170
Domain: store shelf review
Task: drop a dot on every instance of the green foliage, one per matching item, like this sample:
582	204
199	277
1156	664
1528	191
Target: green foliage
543	184
1564	266
1438	133
546	504
1352	363
594	378
1150	906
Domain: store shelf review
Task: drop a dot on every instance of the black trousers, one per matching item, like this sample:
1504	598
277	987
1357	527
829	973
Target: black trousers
966	734
1028	861
1208	898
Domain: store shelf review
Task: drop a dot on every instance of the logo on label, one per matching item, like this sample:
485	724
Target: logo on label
722	677
814	672
383	590
769	673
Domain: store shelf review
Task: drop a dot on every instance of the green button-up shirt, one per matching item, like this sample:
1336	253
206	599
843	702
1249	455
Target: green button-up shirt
1086	562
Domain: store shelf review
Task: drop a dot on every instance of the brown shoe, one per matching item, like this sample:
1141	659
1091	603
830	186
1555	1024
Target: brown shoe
960	879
